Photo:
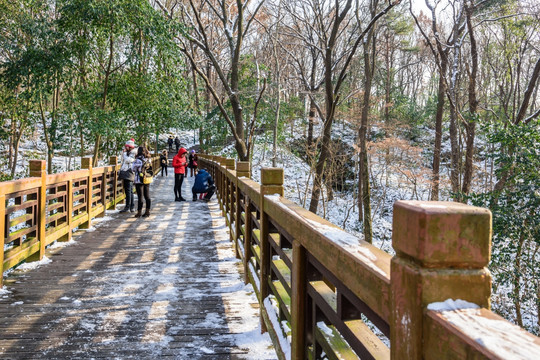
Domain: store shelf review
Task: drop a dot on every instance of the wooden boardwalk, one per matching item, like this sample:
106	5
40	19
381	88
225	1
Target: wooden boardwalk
163	287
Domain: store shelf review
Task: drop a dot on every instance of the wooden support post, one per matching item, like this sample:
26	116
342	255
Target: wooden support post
3	217
69	210
37	169
241	168
298	302
86	163
247	240
230	164
271	183
103	187
113	160
222	191
442	250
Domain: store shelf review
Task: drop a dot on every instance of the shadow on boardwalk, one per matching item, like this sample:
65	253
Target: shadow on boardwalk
166	286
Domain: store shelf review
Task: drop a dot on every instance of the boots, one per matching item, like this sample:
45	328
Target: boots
125	209
138	214
146	213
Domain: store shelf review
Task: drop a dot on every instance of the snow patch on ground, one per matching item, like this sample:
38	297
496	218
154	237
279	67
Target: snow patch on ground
34	265
4	291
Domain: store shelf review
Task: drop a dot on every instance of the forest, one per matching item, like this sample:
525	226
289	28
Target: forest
363	103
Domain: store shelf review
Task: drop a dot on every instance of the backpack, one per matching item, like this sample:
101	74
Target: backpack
147	172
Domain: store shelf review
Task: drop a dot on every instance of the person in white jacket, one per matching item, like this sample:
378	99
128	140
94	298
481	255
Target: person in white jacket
128	157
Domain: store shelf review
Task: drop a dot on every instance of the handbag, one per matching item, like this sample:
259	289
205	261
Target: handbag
147	173
148	180
128	175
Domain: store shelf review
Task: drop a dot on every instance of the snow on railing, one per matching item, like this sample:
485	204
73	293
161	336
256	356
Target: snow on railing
340	297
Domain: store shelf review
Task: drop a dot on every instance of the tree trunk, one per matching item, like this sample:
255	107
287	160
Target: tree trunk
470	125
516	283
363	176
438	130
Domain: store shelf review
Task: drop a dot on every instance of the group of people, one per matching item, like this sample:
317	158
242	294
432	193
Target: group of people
175	141
135	163
136	168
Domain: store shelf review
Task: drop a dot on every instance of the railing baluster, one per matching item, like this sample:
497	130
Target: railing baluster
37	169
3	232
298	302
271	183
86	163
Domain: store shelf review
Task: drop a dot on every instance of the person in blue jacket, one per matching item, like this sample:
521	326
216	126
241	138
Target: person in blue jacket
203	184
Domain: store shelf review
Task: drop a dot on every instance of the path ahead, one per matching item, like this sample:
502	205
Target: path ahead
166	286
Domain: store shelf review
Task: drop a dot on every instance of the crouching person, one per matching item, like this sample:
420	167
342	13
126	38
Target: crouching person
203	184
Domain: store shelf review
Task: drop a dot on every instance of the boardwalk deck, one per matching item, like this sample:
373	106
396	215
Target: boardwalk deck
163	287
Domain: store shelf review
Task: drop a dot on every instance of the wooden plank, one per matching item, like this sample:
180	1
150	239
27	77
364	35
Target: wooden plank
20	219
326	293
282	296
283	273
52	207
16	255
25	205
15	186
334	346
20	233
376	348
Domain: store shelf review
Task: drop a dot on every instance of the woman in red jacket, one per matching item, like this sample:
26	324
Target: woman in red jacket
179	163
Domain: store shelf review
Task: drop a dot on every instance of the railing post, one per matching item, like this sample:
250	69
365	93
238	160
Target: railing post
298	302
103	187
242	170
230	164
3	217
442	250
86	163
37	169
221	162
271	183
113	161
69	210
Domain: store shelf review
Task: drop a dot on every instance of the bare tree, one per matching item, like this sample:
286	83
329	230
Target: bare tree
336	38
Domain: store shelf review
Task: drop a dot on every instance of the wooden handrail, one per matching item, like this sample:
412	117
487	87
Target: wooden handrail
36	211
347	298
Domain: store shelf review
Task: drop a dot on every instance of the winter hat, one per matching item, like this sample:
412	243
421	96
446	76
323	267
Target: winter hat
182	151
193	151
131	143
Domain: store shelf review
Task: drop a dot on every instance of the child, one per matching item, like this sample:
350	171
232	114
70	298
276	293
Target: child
193	163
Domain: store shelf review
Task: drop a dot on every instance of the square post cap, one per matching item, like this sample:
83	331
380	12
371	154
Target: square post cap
442	234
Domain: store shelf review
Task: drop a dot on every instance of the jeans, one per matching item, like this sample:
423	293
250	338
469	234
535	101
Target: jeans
209	192
143	190
164	168
128	190
178	180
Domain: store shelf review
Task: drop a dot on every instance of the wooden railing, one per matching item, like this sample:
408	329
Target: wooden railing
324	293
36	211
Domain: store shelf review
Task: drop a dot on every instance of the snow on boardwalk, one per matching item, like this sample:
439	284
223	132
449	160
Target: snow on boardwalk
163	287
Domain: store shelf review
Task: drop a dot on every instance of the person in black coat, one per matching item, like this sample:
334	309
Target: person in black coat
177	143
164	162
